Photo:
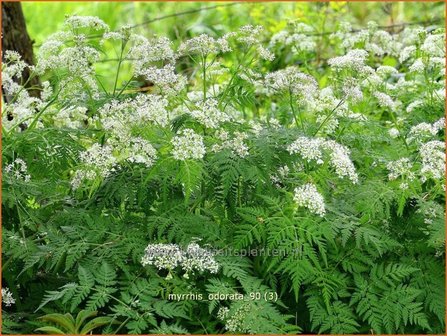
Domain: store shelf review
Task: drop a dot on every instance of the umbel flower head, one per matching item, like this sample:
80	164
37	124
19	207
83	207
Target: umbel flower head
235	319
293	81
208	113
203	45
188	145
314	149
7	298
235	144
162	256
433	159
18	169
307	196
400	168
170	256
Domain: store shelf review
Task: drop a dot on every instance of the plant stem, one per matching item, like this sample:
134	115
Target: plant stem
329	116
123	45
294	112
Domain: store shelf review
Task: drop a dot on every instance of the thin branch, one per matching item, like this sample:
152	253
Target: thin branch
191	11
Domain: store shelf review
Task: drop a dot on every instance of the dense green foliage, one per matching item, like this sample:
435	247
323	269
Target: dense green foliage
321	158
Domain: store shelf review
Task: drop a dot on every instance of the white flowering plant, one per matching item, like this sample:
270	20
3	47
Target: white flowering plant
135	198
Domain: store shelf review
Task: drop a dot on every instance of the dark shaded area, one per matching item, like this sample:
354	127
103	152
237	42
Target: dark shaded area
15	37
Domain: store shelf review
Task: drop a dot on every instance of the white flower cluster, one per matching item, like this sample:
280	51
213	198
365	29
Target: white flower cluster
162	256
351	89
381	42
53	55
100	157
113	36
375	41
141	151
313	149
386	101
214	69
71	52
204	45
97	161
414	105
294	81
406	53
19	114
21	109
252	36
434	45
354	60
328	125
400	168
235	322
19	170
119	117
386	71
236	144
199	259
165	78
299	37
438	241
255	127
188	145
223	313
432	156
282	174
7	298
309	149
92	22
170	256
148	51
425	130
339	159
431	54
308	196
12	72
208	113
145	54
197	96
433	159
283	171
70	117
82	175
418	66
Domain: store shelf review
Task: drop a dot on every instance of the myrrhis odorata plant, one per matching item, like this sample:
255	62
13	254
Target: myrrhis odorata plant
117	201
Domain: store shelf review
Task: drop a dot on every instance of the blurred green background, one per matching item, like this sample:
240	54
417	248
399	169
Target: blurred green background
44	18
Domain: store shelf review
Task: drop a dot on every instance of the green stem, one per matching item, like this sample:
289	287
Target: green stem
329	116
123	88
204	76
33	123
294	112
123	45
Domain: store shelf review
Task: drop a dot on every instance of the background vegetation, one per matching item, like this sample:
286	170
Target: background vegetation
324	17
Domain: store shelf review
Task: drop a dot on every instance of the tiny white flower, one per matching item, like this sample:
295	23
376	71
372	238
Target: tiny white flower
393	132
